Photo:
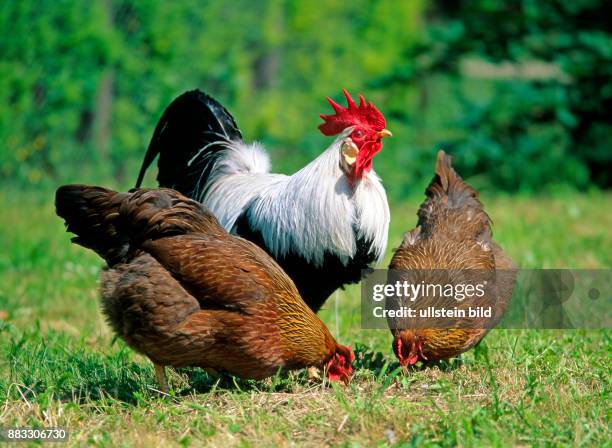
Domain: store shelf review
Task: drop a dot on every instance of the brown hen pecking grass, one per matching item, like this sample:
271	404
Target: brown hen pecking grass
184	292
451	244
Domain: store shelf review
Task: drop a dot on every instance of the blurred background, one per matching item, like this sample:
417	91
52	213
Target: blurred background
519	91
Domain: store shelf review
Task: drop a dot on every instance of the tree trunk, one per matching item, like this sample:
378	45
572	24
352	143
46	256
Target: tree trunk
102	121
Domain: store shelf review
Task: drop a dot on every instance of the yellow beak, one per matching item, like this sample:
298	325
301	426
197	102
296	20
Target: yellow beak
385	133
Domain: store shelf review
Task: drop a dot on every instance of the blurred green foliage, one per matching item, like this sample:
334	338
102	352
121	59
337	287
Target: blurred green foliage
519	90
558	123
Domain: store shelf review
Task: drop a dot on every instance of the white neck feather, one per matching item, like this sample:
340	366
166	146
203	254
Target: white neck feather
312	212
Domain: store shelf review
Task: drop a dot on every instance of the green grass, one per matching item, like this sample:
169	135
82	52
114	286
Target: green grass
59	364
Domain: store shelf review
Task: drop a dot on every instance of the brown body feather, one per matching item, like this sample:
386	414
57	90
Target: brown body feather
452	237
181	290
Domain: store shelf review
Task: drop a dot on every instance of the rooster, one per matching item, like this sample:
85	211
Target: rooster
451	243
323	225
184	292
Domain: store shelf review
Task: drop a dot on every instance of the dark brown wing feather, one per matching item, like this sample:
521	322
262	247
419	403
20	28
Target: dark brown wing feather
226	272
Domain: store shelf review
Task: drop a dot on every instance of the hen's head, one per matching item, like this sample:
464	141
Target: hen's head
365	139
408	348
340	366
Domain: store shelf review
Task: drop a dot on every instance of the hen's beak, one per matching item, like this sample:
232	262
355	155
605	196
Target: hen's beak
385	133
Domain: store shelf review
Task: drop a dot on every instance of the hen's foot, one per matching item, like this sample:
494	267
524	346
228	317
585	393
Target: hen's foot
313	373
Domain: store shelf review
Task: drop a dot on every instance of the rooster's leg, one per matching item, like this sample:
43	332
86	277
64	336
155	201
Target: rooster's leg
160	373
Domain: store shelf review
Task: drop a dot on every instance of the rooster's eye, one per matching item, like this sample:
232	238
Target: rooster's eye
358	134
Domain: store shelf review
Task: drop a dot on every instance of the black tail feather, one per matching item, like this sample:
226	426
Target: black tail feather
191	129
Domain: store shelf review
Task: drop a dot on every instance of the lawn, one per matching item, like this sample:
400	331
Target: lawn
60	366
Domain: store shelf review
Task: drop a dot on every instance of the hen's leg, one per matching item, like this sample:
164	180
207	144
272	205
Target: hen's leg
160	373
213	373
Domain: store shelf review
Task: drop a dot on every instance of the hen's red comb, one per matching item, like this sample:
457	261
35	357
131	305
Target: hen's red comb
344	117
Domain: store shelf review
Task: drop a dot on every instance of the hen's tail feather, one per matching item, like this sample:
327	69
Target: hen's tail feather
448	183
447	190
115	224
91	213
191	134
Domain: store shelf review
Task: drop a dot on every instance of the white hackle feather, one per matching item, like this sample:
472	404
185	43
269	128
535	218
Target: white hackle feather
315	210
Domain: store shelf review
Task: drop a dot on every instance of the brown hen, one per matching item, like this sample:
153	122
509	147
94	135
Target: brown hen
451	244
181	290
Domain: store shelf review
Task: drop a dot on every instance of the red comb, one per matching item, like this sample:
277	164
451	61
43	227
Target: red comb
364	114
